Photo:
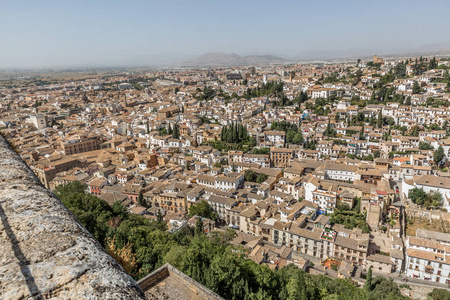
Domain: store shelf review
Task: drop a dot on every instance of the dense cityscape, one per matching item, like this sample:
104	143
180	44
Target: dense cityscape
318	180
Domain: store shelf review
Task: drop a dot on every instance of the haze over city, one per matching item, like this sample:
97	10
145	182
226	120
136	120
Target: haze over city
39	34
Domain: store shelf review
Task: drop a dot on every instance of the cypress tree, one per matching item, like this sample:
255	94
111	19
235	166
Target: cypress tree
235	133
199	230
361	133
176	132
159	217
408	100
368	283
239	132
229	134
438	155
372	121
380	119
328	130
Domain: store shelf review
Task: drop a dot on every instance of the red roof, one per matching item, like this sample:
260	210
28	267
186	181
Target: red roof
381	192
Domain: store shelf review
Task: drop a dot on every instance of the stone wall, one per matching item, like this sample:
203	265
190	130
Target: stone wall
44	252
429	215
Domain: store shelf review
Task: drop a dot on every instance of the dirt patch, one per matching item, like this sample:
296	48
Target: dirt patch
434	226
417	292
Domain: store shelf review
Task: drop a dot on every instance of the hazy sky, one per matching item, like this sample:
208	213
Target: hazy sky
39	33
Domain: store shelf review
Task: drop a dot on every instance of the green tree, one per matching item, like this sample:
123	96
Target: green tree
416	131
328	130
425	146
438	155
261	178
199	229
298	138
210	259
439	294
408	101
75	187
417	89
250	175
176	132
141	200
380	119
417	196
433	63
160	218
368	283
361	133
202	209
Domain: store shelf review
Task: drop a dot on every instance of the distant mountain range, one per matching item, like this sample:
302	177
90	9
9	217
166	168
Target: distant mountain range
231	59
332	54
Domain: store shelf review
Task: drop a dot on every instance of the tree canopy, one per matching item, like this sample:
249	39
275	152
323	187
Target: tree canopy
438	155
293	134
253	176
235	133
202	209
141	246
420	197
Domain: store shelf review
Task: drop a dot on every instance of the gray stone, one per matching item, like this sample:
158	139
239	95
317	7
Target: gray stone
44	251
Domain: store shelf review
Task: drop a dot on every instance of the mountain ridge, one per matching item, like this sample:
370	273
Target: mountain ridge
231	59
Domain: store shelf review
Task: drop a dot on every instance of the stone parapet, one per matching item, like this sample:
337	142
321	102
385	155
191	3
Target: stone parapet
45	253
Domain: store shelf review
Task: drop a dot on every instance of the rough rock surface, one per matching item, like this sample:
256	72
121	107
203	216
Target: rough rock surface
44	252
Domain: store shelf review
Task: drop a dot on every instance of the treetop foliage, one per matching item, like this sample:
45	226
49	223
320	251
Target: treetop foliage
143	245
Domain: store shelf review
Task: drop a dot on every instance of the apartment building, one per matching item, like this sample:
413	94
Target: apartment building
46	169
170	197
39	121
311	237
340	172
325	199
79	145
275	137
221	204
260	159
428	256
280	157
234	181
351	245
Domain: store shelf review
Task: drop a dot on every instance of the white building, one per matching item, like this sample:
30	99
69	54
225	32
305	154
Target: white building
325	199
275	136
39	121
428	256
340	172
225	183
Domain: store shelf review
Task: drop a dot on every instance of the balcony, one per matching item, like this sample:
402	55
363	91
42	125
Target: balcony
429	270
